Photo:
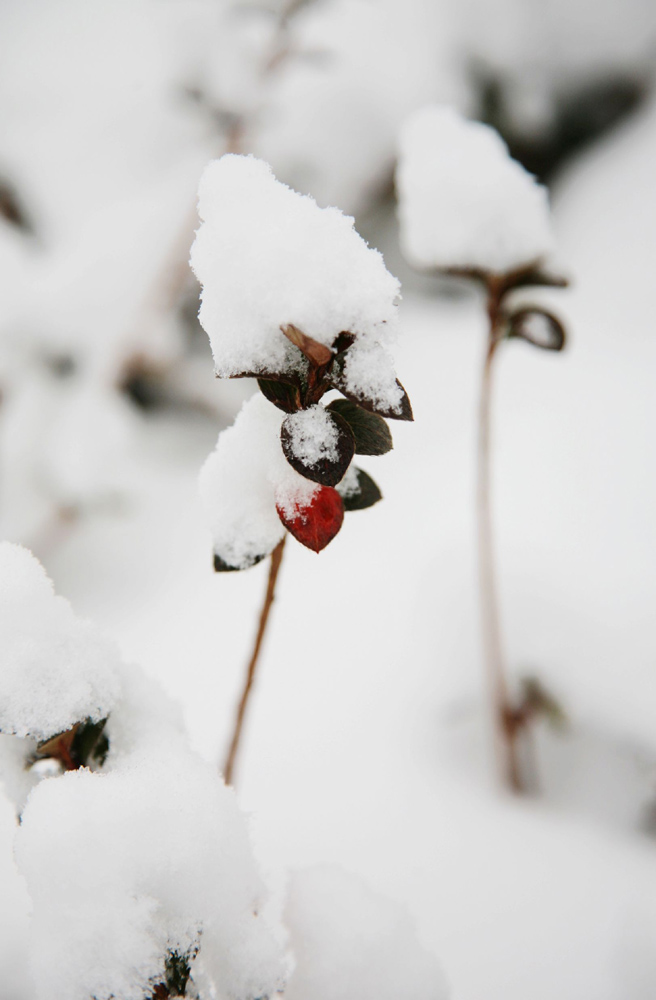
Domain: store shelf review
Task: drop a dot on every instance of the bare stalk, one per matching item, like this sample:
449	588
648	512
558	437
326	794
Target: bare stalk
276	559
505	730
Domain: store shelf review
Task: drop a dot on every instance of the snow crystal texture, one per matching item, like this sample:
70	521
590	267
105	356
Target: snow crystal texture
127	866
463	202
313	435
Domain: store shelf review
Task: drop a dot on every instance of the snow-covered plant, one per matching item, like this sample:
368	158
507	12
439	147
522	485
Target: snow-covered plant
294	297
467	209
135	854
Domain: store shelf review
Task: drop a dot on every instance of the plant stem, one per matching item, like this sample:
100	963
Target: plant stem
276	559
505	732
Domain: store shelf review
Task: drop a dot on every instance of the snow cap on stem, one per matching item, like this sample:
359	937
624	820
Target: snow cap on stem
267	258
463	202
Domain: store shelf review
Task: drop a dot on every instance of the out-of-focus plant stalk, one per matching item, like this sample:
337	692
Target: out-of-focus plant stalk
274	568
505	732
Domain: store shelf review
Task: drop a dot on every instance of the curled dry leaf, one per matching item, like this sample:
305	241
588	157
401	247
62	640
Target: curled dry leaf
317	353
538	327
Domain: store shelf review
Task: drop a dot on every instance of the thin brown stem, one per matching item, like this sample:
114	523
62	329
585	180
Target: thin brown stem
276	559
505	732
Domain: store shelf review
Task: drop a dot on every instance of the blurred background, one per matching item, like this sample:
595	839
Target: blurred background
368	741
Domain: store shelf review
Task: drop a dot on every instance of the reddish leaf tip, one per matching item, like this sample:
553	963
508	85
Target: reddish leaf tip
315	524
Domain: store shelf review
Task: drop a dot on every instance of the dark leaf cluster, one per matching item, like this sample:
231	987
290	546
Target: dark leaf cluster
356	424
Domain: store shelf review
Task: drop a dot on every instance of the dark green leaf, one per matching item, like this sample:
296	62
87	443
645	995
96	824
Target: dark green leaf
90	743
221	566
371	433
404	411
366	495
286	397
539	327
326	471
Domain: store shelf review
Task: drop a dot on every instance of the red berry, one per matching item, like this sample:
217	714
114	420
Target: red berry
317	523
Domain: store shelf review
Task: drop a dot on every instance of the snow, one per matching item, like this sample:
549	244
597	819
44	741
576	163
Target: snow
313	435
124	867
366	745
243	479
57	669
463	202
267	257
349	941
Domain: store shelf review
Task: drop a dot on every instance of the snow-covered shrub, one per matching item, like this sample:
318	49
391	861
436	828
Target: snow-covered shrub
136	857
467	209
293	296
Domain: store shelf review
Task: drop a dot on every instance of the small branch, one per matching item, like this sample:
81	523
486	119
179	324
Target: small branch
276	559
505	729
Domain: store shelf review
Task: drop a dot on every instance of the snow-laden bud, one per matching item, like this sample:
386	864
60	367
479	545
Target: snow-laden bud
57	669
349	941
464	204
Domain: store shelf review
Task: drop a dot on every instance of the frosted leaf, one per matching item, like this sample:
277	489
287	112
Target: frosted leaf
125	867
268	257
349	485
463	202
313	435
243	479
350	942
57	669
368	373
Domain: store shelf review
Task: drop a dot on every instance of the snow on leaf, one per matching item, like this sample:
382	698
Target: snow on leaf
315	524
318	444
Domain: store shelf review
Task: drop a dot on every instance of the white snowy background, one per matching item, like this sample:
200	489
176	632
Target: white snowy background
367	742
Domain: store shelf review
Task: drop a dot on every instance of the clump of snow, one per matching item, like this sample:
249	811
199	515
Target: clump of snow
463	202
313	435
57	669
268	256
145	721
128	866
243	479
16	777
350	942
369	374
